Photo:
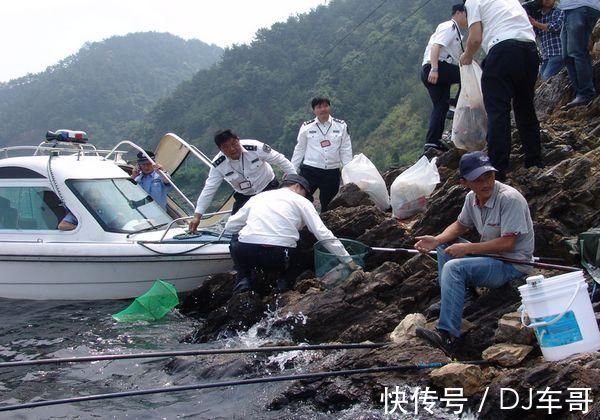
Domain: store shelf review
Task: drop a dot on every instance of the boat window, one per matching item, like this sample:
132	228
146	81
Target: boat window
29	208
119	205
12	172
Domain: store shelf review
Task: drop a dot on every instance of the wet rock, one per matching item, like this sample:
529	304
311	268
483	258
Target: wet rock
406	328
511	330
506	354
529	383
459	375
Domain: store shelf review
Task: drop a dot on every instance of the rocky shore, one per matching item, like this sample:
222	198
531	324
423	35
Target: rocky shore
392	295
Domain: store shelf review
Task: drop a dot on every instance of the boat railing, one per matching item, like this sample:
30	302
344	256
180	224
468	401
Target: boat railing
179	219
163	173
52	148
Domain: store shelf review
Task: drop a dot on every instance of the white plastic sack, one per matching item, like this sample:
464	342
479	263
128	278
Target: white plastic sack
469	126
410	189
365	175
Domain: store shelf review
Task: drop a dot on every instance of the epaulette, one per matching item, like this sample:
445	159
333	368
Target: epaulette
218	161
307	122
339	121
251	147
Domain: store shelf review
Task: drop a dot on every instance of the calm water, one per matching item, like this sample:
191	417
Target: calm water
33	330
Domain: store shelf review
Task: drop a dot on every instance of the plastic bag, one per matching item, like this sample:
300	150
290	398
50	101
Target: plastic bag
361	171
410	189
469	126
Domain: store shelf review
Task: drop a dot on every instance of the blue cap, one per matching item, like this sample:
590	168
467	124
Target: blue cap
473	165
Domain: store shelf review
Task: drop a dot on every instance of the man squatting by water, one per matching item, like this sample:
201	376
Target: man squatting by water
268	227
500	214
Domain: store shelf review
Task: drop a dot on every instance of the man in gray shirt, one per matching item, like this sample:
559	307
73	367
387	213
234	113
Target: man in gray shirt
501	216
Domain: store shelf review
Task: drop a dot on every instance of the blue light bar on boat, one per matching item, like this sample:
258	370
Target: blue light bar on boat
69	136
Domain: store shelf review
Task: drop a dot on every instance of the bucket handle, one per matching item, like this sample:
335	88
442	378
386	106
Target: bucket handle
556	318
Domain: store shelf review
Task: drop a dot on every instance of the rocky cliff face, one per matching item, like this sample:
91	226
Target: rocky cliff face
564	199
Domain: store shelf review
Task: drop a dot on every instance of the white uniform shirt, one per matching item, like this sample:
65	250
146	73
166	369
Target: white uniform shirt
274	218
448	36
325	146
501	20
249	175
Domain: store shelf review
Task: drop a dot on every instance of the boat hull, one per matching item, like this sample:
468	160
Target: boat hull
109	277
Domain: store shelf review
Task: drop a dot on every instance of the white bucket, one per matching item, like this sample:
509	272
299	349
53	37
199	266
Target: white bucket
561	315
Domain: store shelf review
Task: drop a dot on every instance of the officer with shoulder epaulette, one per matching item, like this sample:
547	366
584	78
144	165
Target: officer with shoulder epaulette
323	148
245	165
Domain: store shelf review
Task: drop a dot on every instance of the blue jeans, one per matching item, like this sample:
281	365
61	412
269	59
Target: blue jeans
575	37
455	275
551	66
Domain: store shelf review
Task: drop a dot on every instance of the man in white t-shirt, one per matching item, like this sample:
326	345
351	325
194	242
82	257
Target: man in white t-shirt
268	226
440	71
510	70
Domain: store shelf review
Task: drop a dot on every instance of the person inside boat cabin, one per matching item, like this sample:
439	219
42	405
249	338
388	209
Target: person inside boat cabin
152	178
266	230
246	166
69	222
500	215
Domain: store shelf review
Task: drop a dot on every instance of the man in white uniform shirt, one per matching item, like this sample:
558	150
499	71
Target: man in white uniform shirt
323	148
245	165
510	70
440	71
268	227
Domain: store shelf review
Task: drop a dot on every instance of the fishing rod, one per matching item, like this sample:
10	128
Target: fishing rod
203	352
534	263
221	384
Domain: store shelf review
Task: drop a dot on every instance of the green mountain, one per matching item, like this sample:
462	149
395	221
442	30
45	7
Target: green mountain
104	89
366	56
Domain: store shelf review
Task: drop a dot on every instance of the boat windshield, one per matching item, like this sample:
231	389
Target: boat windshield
119	205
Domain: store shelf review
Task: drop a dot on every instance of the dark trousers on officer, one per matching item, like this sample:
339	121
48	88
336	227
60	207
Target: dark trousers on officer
448	75
509	74
270	259
326	180
241	199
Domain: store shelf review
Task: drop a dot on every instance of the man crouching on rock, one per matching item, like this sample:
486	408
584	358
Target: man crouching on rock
268	228
501	216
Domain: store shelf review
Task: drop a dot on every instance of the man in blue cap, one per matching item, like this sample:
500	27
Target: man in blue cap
500	215
151	178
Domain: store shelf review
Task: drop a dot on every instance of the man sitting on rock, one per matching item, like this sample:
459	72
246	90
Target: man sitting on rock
501	216
268	226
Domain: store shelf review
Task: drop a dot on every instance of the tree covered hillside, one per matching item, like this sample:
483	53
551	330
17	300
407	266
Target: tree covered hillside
104	89
365	55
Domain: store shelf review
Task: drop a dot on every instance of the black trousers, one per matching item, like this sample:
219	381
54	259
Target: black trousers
241	199
448	75
509	74
268	258
326	180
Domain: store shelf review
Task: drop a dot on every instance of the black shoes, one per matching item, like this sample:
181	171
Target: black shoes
578	101
439	339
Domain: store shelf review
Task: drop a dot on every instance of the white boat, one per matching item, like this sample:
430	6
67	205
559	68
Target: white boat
123	240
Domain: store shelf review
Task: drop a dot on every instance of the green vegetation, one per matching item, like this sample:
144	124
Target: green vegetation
104	89
263	90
